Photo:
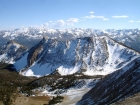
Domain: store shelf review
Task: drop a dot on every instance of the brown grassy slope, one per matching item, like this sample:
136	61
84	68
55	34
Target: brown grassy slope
38	100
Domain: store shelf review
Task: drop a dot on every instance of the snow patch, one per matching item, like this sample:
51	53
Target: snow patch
21	63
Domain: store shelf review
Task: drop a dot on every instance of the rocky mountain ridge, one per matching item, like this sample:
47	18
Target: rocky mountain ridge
88	55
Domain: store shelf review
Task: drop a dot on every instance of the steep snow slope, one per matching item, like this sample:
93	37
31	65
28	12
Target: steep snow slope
11	52
32	35
117	86
88	55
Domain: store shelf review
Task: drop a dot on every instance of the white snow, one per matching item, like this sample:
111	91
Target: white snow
29	73
40	70
16	46
3	56
21	63
65	70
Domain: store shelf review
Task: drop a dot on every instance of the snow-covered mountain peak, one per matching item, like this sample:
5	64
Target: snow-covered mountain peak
31	35
87	55
11	52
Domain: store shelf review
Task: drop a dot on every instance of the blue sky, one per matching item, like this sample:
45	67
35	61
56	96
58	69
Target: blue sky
96	14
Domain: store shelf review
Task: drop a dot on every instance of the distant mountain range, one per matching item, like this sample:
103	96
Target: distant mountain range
31	36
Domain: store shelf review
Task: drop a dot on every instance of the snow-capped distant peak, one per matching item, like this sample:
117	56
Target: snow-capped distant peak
29	36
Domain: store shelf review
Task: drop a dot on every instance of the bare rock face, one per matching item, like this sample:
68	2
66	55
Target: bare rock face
96	55
11	52
34	51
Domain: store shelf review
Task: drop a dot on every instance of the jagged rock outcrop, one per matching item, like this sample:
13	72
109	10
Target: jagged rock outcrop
11	52
35	50
94	55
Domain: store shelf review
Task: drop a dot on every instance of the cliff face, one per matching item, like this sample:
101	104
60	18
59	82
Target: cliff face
34	52
88	55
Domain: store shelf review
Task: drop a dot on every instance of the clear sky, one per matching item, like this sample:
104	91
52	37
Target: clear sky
96	14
